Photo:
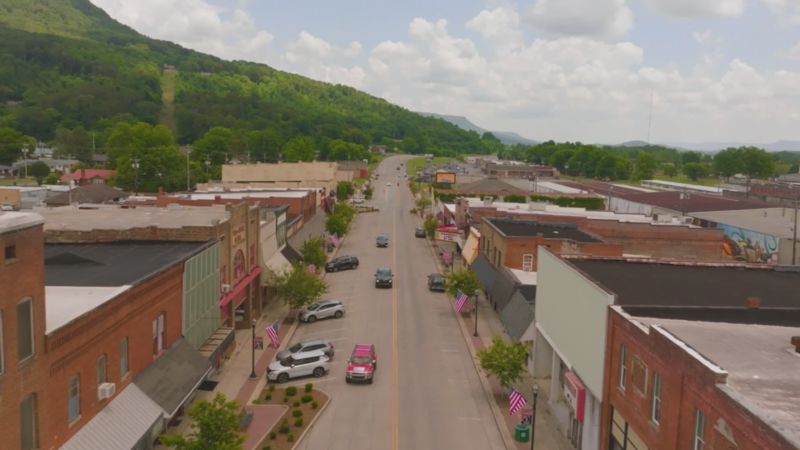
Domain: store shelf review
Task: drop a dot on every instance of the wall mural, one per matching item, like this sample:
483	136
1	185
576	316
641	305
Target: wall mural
749	246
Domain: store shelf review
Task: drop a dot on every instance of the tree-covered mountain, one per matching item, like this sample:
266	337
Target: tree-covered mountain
506	137
65	64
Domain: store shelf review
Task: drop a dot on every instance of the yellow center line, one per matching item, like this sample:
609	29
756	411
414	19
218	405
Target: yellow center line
395	357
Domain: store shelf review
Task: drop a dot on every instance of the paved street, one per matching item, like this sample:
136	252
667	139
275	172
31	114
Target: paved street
427	394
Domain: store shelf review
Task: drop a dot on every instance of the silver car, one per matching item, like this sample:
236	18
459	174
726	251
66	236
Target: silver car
299	365
322	310
308	345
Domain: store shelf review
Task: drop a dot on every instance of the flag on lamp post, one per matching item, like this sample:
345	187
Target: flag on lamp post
272	334
516	401
461	300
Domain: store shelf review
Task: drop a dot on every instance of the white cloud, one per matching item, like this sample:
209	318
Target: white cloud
788	10
317	58
792	53
596	18
694	8
500	26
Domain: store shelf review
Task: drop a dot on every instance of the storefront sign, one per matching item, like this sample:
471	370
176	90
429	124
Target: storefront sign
575	394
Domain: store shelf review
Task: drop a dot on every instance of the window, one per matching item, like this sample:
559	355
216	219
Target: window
655	405
623	369
101	369
25	329
74	402
2	349
123	357
27	420
527	263
699	430
11	253
158	334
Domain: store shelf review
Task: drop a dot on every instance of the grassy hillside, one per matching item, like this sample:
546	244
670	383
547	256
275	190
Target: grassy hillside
66	63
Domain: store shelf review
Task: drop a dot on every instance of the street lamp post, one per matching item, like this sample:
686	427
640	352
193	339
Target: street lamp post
533	417
476	314
253	350
135	165
25	161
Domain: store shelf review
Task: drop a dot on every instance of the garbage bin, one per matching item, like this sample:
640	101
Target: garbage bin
522	432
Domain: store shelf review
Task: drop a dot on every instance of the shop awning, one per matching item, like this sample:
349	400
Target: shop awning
127	419
470	251
237	290
174	376
275	265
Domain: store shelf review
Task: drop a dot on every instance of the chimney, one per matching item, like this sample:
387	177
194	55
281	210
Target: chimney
752	303
796	343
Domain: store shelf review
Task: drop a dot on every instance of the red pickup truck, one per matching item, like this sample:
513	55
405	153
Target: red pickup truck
362	364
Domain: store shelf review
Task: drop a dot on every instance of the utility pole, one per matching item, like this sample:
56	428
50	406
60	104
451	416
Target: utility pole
794	230
135	165
188	176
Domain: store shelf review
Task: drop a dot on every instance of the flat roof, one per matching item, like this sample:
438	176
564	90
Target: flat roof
112	264
646	282
112	217
674	185
63	304
524	277
778	226
530	228
13	221
210	195
762	366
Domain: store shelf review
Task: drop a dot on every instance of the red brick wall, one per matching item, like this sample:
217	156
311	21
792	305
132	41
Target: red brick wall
75	348
686	384
18	280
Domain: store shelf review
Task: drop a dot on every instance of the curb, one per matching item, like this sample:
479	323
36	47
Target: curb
487	390
313	421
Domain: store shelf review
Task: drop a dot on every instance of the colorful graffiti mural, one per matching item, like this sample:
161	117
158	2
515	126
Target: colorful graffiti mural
749	246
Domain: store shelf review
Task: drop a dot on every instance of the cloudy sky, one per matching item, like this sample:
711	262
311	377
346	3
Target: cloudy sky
713	70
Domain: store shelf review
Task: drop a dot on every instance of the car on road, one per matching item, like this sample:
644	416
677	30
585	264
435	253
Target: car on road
357	201
382	240
419	232
307	345
436	282
322	310
341	263
383	277
299	365
362	364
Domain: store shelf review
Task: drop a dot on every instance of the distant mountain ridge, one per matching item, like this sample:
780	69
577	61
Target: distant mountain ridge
506	137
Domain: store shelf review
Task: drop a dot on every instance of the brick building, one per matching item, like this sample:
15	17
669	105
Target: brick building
82	177
517	170
23	360
514	243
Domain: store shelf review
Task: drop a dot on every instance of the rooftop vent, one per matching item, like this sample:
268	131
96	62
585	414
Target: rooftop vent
796	343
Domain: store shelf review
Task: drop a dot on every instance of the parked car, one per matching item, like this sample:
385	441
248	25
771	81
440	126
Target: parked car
419	232
383	277
357	201
436	282
307	345
362	364
299	365
382	240
322	310
341	263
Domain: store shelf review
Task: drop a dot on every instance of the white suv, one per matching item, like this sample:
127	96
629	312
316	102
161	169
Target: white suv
322	310
299	365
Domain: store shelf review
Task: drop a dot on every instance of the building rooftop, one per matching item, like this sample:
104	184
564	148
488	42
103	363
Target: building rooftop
490	184
112	217
13	221
675	186
82	174
780	226
211	195
63	304
90	193
645	282
761	363
529	228
694	202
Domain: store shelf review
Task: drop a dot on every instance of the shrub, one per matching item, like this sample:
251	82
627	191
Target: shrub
273	435
283	429
297	413
306	398
296	403
314	405
290	438
285	421
268	397
267	448
271	387
291	391
308	387
285	399
299	422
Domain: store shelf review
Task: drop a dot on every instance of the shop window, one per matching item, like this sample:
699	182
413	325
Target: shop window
28	423
527	263
74	396
11	253
639	375
655	402
158	334
25	329
102	376
699	430
123	357
623	367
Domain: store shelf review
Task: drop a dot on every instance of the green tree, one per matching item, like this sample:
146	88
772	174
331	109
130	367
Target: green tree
313	251
215	426
264	145
336	224
39	170
462	280
368	191
691	157
757	163
430	225
645	166
298	287
216	146
344	190
12	142
728	162
160	163
422	203
669	169
695	170
300	148
127	139
76	143
504	360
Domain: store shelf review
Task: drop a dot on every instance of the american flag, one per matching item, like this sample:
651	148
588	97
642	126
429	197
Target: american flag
272	334
516	401
461	300
335	240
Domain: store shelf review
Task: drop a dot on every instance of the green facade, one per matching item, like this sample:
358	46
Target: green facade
201	316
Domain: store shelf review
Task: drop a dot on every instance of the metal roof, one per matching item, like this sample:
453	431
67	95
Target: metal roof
517	315
484	270
503	287
120	425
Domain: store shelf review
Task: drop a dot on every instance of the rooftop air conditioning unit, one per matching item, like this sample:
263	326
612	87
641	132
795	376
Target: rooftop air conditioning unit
226	288
106	390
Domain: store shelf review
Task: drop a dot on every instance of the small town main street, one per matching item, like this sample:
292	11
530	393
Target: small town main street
427	394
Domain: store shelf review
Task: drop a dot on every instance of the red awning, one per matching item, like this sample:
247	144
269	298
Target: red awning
239	287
